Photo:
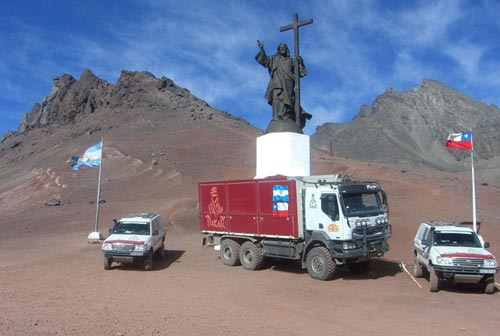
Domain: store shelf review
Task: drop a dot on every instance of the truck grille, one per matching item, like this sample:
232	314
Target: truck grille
468	262
123	247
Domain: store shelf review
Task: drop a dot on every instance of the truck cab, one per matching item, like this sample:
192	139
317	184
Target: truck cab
350	218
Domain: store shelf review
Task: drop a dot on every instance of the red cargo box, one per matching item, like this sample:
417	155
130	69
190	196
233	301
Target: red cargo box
257	207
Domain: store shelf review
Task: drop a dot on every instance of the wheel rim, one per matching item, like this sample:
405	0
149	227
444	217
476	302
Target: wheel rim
248	257
317	264
227	253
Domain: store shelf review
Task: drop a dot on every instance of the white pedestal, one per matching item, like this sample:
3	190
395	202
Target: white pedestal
283	153
95	237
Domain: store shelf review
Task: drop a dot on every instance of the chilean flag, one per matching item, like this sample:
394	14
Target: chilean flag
460	140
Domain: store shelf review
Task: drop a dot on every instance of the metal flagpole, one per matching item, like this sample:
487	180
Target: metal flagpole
474	222
99	190
96	236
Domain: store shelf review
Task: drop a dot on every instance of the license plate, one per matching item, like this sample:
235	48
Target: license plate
488	271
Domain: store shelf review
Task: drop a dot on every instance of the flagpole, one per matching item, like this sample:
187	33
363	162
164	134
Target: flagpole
474	222
99	190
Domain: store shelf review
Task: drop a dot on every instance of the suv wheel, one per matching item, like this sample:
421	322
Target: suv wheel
108	261
433	280
489	287
160	253
148	261
418	272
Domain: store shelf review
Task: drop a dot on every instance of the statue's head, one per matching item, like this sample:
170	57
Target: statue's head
283	50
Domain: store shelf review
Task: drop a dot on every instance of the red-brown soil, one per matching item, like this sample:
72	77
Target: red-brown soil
52	281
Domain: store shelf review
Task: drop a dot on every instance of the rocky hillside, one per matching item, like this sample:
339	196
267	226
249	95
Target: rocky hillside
159	140
411	128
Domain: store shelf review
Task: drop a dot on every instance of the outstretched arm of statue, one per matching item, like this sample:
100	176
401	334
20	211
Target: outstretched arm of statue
261	57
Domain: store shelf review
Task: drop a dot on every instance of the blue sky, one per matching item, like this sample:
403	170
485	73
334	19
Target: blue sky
353	51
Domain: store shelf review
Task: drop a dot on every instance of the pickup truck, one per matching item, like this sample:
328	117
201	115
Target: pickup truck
450	252
135	238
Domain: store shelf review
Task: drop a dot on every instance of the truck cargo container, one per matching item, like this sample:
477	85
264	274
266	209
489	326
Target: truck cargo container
322	221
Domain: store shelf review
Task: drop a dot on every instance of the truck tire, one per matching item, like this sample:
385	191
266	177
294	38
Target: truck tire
320	264
251	256
489	287
418	272
148	261
107	263
433	280
361	267
229	252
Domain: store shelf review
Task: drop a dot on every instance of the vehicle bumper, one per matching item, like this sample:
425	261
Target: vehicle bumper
463	274
122	257
367	242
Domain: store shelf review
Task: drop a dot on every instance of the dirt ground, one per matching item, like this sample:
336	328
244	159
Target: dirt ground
52	281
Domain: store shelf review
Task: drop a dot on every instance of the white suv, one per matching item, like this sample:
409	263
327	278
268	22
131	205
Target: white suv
455	253
135	238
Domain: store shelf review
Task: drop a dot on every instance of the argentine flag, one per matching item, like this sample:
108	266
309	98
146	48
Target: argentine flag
280	193
91	157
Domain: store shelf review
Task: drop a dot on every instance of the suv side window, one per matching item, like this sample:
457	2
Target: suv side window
422	232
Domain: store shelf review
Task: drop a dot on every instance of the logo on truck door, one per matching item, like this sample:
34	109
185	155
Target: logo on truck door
280	200
215	219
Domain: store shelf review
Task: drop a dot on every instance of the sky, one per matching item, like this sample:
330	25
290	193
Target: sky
354	50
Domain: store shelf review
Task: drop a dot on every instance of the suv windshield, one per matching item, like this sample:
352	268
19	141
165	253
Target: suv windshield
468	239
131	228
366	204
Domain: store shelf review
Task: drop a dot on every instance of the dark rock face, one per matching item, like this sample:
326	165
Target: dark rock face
70	98
412	126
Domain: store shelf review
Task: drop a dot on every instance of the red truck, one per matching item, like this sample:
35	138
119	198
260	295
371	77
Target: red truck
323	221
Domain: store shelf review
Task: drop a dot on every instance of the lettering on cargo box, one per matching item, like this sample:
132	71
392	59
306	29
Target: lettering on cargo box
215	219
280	200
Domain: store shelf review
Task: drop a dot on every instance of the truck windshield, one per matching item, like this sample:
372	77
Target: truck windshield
468	239
362	204
131	228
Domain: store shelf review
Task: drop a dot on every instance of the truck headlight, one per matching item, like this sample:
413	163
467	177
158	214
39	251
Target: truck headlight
107	247
348	246
490	263
444	261
140	247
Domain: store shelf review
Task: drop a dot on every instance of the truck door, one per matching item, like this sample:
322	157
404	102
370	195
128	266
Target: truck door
322	213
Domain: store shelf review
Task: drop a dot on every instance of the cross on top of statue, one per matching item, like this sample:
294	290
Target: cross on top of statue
283	91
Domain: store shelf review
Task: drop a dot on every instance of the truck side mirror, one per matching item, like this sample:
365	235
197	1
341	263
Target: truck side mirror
486	244
110	230
156	233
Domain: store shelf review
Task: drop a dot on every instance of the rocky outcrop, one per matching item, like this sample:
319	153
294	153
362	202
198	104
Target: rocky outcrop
70	98
412	126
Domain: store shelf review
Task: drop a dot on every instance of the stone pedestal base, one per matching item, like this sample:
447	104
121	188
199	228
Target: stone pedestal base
283	153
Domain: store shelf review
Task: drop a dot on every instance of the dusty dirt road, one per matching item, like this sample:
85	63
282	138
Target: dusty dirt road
57	286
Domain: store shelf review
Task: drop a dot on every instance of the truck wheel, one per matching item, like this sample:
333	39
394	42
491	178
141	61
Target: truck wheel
417	268
148	261
229	252
251	256
433	280
108	261
489	287
320	264
361	267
